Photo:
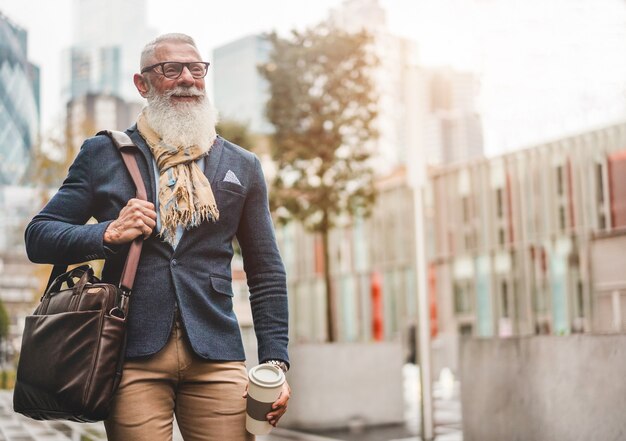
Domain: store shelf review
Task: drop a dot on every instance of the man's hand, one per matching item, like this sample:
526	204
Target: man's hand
279	407
136	218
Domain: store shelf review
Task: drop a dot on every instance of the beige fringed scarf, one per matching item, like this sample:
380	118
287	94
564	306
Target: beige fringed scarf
185	194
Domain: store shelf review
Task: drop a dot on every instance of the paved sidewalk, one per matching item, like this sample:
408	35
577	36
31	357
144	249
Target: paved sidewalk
16	427
447	414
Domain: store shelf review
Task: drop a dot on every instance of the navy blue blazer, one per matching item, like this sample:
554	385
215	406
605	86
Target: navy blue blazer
197	274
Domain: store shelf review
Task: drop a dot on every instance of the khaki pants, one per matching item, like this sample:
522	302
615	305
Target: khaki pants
206	397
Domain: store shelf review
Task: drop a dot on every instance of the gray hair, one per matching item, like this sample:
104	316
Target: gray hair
148	50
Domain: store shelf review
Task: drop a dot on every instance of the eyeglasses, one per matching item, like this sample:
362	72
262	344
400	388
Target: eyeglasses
174	69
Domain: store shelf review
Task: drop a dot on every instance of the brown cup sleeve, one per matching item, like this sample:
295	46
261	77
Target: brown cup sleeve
258	409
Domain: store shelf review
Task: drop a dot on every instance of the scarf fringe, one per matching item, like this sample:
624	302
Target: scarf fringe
189	219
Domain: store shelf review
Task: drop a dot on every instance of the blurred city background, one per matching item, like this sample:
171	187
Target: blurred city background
481	219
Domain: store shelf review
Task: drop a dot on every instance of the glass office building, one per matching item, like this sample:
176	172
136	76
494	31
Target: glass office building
240	91
19	103
103	59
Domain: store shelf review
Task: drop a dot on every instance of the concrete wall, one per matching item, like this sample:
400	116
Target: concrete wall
608	261
544	388
340	384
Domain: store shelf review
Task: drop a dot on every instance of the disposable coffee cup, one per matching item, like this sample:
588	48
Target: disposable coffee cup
266	381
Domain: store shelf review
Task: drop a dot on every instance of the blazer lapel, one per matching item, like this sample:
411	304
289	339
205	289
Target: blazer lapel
145	166
212	160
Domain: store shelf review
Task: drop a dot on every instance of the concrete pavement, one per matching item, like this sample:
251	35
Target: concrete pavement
447	415
15	427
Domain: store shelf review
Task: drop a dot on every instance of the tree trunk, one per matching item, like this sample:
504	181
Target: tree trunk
331	322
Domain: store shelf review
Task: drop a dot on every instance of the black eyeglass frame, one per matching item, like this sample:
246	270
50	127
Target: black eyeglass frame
185	65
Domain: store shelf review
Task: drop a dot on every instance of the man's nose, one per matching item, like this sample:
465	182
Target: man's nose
185	78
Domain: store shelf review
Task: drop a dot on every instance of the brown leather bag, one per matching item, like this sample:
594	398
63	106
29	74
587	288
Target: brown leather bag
73	345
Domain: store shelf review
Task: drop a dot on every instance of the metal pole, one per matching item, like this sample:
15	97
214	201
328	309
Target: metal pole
423	316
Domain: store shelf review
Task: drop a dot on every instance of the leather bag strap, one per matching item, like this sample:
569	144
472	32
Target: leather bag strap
127	149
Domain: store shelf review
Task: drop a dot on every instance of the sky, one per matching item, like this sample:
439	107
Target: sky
548	68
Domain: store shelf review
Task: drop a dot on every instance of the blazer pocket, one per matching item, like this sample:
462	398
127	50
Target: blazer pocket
231	187
222	285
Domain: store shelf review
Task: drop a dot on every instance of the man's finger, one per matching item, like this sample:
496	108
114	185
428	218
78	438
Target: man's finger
274	417
148	211
142	211
134	202
148	221
280	403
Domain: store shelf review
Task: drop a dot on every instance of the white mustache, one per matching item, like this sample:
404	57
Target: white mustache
184	91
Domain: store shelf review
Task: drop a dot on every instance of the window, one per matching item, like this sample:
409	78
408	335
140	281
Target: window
600	196
539	304
599	183
562	218
504	294
466	208
580	299
559	180
465	329
462	297
499	203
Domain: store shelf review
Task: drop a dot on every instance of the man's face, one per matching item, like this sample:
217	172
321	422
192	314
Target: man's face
175	51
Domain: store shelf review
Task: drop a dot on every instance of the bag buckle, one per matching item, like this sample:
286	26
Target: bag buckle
120	309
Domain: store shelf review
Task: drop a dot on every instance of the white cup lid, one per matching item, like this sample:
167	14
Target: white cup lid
267	375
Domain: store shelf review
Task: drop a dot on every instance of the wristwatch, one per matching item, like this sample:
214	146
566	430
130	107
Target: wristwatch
281	364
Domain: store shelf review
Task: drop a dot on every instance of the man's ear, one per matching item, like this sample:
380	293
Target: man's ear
141	84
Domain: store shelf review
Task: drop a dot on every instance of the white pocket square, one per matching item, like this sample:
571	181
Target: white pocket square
231	177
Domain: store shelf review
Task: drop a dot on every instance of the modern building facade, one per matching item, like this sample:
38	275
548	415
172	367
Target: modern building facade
431	110
21	282
516	240
98	74
393	80
103	59
447	121
19	103
240	92
521	244
372	270
90	113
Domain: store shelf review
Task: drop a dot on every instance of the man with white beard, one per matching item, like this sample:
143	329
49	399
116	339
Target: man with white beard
184	354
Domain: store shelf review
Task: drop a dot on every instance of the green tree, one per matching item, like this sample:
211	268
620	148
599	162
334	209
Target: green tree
4	340
236	132
50	160
323	108
4	322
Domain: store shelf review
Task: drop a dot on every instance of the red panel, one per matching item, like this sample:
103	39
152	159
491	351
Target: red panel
319	255
617	188
377	307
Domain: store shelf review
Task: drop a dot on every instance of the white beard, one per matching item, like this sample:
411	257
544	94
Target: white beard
182	124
